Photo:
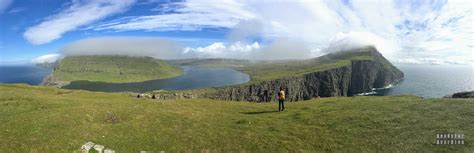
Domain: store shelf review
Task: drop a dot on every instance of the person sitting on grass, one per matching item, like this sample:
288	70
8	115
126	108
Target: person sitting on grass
281	99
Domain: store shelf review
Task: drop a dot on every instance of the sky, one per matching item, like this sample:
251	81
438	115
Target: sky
405	31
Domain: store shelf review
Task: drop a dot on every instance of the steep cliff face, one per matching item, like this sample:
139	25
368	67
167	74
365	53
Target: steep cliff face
362	75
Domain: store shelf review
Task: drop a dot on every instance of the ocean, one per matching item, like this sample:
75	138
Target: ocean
432	81
429	81
29	74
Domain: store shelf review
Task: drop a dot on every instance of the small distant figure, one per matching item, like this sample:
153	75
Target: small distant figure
281	99
153	97
138	96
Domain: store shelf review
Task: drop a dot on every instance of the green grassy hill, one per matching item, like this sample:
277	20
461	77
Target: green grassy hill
274	70
45	119
116	69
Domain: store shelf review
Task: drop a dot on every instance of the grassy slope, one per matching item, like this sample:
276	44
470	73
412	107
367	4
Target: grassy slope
116	69
53	120
269	71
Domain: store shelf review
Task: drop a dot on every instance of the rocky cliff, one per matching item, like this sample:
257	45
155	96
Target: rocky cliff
361	75
50	80
466	94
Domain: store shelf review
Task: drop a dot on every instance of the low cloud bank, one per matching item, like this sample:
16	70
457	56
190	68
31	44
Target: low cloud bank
130	46
48	58
352	40
286	48
280	48
168	49
237	50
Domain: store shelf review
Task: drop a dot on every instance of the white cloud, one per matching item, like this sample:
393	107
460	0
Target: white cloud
78	14
4	4
280	49
399	29
16	10
237	50
425	31
445	34
194	15
48	58
284	48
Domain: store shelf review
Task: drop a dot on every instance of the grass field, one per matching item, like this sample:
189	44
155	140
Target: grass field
115	69
44	119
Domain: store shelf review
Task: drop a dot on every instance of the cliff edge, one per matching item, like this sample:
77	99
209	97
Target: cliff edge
364	70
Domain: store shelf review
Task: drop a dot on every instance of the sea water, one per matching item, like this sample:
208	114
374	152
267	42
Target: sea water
29	74
431	81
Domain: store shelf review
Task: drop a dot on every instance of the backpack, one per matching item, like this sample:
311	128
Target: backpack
281	95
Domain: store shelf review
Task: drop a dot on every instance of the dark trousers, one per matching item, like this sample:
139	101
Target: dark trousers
281	105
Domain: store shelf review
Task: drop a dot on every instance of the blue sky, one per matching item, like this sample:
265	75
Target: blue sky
406	31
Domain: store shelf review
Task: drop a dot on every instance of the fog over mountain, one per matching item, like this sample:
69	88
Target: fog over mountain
168	49
48	58
131	46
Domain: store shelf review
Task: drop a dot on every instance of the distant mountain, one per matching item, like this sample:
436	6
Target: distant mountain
115	69
210	62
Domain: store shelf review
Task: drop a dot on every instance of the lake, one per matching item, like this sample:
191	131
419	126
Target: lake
193	77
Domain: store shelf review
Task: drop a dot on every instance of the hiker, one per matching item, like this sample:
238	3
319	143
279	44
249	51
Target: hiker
281	99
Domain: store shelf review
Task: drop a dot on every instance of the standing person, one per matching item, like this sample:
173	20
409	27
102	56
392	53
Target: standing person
281	99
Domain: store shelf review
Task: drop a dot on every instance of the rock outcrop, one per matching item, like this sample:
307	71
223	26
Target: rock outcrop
50	80
362	75
170	96
467	94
